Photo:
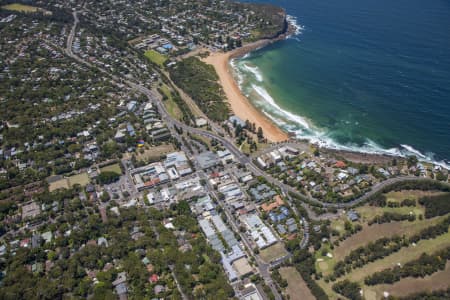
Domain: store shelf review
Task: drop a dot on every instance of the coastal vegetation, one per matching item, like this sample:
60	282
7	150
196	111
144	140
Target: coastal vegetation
200	81
275	20
172	107
169	94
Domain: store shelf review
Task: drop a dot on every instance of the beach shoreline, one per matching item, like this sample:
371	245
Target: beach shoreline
239	104
245	110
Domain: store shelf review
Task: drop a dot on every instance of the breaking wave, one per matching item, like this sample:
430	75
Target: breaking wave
255	71
275	108
303	128
292	21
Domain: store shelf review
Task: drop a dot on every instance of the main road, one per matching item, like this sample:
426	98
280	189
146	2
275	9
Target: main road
227	143
155	98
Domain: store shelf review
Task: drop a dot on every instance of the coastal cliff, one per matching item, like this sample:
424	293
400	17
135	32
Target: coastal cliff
275	17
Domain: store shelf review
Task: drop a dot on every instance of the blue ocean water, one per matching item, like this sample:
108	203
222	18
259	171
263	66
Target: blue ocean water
367	75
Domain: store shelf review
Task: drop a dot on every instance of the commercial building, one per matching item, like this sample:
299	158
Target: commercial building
259	232
207	160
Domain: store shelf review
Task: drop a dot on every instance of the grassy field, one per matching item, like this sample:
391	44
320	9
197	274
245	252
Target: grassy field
369	212
81	179
297	288
172	108
402	256
153	152
273	252
325	264
338	224
202	138
112	168
60	184
245	147
328	290
437	281
408	194
24	8
155	57
377	231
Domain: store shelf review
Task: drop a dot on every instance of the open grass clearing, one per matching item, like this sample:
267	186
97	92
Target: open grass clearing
155	57
436	281
81	179
173	109
325	264
409	194
367	212
202	138
377	231
297	288
332	295
402	256
112	168
273	252
60	184
153	153
24	8
338	225
245	147
171	106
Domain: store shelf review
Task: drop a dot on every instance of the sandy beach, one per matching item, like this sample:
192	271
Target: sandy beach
239	104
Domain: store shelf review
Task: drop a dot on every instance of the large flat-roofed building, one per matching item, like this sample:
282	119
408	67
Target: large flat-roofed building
30	210
251	292
242	267
207	160
208	230
175	158
260	233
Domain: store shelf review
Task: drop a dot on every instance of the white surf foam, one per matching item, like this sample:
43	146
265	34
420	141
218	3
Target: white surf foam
288	115
239	77
304	129
247	55
292	20
413	151
323	140
255	71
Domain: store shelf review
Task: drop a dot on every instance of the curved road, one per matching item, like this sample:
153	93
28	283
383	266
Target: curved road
243	159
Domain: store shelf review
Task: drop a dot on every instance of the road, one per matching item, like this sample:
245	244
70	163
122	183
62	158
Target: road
227	143
183	296
155	98
263	267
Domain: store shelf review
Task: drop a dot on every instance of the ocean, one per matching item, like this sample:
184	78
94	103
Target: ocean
367	75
